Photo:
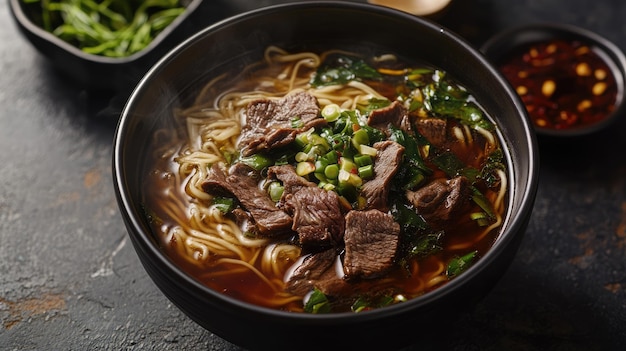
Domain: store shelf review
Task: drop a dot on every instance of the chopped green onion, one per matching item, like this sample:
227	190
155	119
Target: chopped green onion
320	165
414	181
363	304
320	176
258	161
331	157
347	178
317	150
297	122
224	204
367	150
317	140
275	190
302	139
363	160
317	302
304	168
302	156
331	171
366	172
282	160
459	264
331	112
359	138
481	218
343	176
329	187
482	202
360	304
347	165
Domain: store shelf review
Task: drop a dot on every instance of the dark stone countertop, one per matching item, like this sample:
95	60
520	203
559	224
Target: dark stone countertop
70	279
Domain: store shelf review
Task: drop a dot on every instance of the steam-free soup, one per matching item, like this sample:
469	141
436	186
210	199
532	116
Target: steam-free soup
328	182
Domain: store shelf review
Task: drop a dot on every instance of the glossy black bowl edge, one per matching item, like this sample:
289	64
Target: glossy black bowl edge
188	295
499	45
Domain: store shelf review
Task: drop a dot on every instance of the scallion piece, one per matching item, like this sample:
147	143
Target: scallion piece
366	172
304	168
258	161
302	156
331	171
331	157
367	150
317	302
347	165
297	122
224	204
481	218
275	190
459	264
359	138
331	112
363	160
320	165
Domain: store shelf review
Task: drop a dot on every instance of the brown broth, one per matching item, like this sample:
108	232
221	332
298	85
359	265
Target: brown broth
250	288
408	280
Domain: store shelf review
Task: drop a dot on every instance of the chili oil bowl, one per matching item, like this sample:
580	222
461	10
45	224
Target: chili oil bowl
96	72
241	40
570	78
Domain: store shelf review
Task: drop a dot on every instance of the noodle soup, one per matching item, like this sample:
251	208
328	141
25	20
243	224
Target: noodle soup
327	182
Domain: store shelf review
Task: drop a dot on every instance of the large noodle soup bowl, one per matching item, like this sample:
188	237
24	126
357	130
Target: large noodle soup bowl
235	43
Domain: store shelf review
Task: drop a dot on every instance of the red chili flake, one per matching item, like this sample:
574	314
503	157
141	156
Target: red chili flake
564	84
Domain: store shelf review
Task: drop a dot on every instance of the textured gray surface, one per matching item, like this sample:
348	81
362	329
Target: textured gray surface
70	280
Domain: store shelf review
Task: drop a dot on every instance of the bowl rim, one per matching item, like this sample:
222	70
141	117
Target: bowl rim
538	31
143	238
31	27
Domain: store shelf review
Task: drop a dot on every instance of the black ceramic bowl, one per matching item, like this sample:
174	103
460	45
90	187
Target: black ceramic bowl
498	48
95	72
241	40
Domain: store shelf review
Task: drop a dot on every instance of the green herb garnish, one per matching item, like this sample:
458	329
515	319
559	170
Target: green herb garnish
113	28
459	264
317	303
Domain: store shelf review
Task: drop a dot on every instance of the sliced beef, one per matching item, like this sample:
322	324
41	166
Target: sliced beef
386	164
241	183
320	270
441	199
433	129
245	221
371	240
317	215
268	122
290	179
394	114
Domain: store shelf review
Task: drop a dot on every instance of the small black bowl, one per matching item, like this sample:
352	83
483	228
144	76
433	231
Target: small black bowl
240	41
95	72
515	40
